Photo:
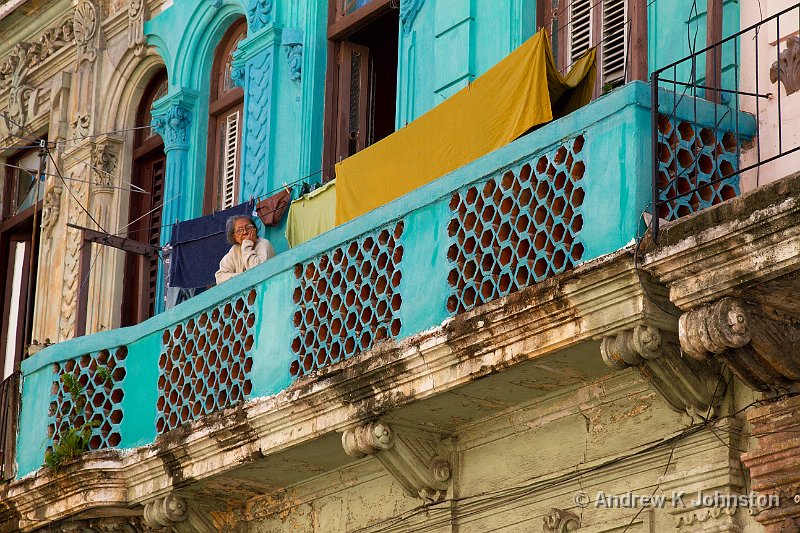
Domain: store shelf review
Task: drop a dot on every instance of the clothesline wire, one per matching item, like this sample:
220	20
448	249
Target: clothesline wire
34	172
69	190
88	163
131	223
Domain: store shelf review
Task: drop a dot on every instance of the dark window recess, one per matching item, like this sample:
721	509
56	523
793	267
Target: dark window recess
362	86
141	273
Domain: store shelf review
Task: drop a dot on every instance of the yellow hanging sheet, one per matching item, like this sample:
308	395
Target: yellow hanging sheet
311	215
522	91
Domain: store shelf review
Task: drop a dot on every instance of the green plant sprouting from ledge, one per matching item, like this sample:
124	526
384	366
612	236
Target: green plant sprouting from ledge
75	440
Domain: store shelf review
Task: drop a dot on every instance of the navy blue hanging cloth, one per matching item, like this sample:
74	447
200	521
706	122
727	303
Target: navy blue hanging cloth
198	245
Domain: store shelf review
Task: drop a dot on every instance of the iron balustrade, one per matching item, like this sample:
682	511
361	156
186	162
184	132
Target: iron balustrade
700	165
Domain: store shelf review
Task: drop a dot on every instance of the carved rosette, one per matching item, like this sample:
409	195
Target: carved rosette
137	14
173	126
787	67
259	14
560	521
412	456
761	350
686	385
408	12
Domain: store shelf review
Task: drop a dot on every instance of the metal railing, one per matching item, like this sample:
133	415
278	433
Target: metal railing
698	105
9	403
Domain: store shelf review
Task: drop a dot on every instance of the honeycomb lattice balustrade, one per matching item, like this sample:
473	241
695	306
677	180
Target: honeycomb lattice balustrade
691	157
347	300
206	362
100	403
516	229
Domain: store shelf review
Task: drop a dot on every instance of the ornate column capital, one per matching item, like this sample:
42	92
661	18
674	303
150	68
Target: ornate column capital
105	154
413	457
172	119
686	385
760	348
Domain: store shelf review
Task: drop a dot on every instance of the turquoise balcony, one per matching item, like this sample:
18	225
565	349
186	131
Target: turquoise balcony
570	192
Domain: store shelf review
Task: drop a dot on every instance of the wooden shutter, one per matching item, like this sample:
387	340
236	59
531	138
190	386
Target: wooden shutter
230	152
580	25
615	45
353	109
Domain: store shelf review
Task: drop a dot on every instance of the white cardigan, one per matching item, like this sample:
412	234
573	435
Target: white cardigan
240	258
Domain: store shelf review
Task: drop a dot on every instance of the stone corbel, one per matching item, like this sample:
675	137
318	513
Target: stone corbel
559	521
412	456
687	385
105	153
788	66
293	44
173	512
760	350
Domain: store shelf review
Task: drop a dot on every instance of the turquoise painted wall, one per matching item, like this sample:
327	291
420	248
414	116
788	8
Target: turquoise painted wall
616	133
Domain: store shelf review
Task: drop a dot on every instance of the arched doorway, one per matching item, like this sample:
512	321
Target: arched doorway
149	161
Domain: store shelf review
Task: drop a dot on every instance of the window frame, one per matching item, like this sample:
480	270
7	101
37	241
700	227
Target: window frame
221	105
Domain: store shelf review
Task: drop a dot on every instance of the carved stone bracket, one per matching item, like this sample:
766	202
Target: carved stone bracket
761	350
105	152
412	456
293	44
788	66
687	385
173	512
51	209
559	521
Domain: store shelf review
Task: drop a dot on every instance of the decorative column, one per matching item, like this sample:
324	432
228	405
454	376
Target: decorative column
413	457
173	121
254	70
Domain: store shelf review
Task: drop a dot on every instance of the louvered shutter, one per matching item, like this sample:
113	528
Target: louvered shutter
230	151
580	26
615	45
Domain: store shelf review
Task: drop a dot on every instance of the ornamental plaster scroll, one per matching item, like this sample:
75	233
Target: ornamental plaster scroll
788	66
51	209
259	14
408	12
560	521
687	385
76	203
412	456
137	14
173	126
762	351
15	70
86	25
173	512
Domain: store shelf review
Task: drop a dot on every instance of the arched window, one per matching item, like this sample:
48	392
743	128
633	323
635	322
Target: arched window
141	273
225	106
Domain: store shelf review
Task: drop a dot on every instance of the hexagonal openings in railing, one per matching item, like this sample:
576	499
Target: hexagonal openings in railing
98	384
516	229
347	300
691	157
206	362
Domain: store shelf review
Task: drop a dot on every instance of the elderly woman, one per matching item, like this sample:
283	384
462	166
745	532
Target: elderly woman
248	249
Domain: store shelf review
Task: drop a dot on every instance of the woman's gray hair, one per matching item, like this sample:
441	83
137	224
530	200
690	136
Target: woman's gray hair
230	223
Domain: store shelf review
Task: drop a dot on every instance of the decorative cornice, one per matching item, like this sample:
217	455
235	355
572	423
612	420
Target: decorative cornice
787	67
413	457
762	351
560	521
686	385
